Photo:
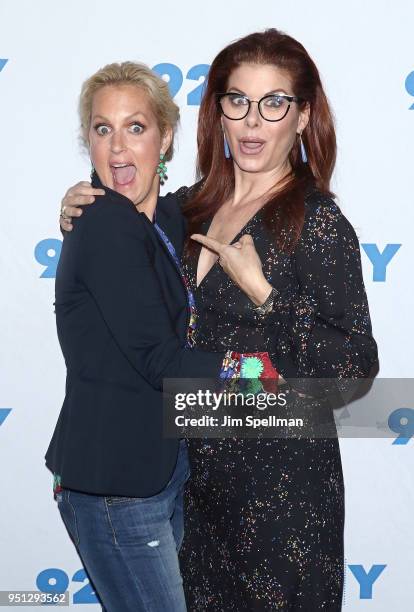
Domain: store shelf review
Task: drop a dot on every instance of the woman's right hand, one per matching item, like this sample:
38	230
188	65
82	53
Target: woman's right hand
79	195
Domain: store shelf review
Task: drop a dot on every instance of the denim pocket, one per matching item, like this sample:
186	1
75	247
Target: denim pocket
68	514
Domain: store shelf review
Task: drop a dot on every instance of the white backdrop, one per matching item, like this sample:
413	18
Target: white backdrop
365	52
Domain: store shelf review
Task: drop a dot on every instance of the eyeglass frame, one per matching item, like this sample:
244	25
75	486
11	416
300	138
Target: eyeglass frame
290	99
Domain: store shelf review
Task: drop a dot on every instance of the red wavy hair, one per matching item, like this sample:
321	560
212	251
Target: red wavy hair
284	210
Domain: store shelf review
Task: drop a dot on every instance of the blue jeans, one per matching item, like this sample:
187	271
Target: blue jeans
129	545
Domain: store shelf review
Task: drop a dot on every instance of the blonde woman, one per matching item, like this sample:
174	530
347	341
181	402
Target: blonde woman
122	320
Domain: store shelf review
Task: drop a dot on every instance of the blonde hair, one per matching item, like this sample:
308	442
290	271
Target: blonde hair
164	108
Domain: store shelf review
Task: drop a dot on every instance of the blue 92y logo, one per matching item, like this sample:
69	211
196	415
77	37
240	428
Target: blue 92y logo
47	253
380	259
175	78
4	413
54	580
3	62
409	86
401	422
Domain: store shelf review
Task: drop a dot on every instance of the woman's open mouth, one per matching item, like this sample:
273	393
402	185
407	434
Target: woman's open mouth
123	174
250	146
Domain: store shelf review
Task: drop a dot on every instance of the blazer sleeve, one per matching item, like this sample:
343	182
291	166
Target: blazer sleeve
115	265
327	331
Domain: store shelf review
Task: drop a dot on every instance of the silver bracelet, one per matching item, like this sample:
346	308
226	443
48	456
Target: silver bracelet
267	306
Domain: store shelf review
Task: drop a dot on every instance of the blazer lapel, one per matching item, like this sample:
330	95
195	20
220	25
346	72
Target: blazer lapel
158	241
170	219
166	217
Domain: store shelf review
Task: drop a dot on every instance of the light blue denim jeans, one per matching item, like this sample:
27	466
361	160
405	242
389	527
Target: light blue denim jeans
129	545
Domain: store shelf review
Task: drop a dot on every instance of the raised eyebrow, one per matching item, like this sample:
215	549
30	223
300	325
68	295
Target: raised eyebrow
276	91
236	90
106	120
101	118
135	115
269	93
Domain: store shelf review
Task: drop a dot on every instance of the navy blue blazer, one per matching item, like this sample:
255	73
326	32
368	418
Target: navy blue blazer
122	317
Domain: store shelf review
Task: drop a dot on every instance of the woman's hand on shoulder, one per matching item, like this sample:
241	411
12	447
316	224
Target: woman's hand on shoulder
76	196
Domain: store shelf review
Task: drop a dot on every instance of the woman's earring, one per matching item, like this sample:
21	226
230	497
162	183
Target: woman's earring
92	171
162	169
227	153
303	150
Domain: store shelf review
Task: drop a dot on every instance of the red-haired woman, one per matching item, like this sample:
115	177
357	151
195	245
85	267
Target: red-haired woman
264	518
280	272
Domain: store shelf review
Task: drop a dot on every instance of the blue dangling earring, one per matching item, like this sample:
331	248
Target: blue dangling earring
162	169
92	171
303	150
227	153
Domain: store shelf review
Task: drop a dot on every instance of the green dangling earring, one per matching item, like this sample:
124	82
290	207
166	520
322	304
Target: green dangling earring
162	169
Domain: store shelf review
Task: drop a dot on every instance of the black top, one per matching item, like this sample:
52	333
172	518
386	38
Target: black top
122	316
265	516
320	325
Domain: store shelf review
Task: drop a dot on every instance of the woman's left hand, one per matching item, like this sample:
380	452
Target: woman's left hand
242	264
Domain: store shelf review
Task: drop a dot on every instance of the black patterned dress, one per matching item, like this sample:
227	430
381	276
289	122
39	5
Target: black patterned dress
264	518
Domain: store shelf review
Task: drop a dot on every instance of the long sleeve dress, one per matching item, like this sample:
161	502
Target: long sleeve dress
264	518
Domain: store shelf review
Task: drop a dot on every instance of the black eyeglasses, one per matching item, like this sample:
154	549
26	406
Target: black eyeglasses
273	107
